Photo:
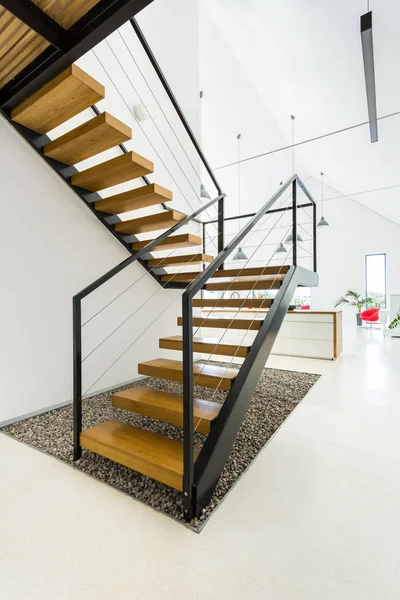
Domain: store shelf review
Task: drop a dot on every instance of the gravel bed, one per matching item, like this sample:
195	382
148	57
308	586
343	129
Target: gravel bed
277	394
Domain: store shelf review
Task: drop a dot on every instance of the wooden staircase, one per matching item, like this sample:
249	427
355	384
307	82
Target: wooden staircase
156	456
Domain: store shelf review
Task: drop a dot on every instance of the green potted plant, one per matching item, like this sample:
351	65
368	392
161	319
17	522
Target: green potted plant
396	321
352	298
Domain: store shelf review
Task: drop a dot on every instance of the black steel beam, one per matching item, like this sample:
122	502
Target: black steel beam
91	29
216	448
35	18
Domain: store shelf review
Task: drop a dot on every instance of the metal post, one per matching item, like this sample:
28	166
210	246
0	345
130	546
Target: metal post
294	221
77	353
221	227
188	439
315	236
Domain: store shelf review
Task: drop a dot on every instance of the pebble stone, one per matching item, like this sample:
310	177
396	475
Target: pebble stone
277	394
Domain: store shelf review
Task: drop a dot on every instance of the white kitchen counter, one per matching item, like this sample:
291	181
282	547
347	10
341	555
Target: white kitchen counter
306	333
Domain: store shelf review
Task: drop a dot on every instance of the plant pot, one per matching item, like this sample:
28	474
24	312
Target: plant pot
359	322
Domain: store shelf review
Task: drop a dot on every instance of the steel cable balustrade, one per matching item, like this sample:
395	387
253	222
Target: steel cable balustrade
77	313
180	115
145	179
231	362
251	321
134	341
207	462
158	290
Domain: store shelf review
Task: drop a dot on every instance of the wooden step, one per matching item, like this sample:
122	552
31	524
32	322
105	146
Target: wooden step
175	261
184	240
232	302
247	324
206	375
165	406
62	98
151	454
162	220
222	273
141	197
272	282
95	136
207	346
112	172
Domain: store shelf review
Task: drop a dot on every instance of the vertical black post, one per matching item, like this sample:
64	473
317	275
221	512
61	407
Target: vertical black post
294	221
221	227
204	241
315	236
77	353
188	440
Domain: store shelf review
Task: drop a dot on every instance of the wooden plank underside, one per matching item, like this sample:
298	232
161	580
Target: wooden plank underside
20	45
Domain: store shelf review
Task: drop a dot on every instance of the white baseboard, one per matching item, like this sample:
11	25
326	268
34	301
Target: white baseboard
43	411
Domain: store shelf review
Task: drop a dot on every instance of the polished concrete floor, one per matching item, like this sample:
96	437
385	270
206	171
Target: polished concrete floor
316	517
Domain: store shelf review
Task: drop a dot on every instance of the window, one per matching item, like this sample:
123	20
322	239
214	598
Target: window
375	279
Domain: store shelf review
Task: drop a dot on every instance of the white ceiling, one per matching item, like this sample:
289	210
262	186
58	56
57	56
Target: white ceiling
305	59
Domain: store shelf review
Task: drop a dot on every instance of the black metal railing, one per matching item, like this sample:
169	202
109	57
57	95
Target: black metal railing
201	477
311	204
77	313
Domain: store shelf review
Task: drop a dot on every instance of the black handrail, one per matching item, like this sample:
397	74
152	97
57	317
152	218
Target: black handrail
77	315
189	501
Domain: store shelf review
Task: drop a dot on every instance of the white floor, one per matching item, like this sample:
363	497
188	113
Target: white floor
317	516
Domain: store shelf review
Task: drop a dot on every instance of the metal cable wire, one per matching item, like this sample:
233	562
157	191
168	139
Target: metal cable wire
159	105
237	312
143	131
160	133
159	289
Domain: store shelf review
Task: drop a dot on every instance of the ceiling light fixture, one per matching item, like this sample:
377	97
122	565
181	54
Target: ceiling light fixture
240	255
369	72
290	238
322	222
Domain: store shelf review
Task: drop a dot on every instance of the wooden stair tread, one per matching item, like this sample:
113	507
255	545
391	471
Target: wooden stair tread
65	96
222	273
141	197
232	302
204	375
270	282
173	261
112	172
165	406
154	455
162	220
97	135
247	324
207	346
173	241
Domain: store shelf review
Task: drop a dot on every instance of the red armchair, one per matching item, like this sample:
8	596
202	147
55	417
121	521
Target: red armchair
370	316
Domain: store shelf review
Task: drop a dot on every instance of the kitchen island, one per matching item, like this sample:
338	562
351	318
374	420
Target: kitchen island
304	333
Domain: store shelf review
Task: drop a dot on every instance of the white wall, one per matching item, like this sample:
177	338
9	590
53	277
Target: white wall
233	104
354	232
51	247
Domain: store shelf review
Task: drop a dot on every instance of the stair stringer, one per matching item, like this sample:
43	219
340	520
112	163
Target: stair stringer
216	449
